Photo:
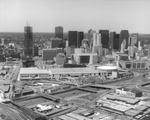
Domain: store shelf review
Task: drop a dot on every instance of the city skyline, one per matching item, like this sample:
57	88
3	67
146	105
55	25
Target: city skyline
75	15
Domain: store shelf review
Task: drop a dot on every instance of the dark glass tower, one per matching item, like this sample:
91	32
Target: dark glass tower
104	38
28	41
124	35
80	38
114	41
111	40
36	49
59	32
72	38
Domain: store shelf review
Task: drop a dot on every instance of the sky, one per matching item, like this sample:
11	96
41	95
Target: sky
79	15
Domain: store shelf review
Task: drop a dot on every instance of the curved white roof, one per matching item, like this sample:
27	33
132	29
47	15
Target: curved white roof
107	67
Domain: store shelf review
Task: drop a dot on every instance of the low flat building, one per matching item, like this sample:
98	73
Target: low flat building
129	92
32	73
67	72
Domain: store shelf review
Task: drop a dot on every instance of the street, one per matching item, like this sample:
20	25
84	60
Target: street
131	83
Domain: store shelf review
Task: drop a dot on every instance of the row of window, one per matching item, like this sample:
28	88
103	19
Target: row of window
135	65
34	75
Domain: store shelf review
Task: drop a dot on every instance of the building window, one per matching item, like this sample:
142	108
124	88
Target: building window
34	75
134	65
143	65
138	65
43	75
25	75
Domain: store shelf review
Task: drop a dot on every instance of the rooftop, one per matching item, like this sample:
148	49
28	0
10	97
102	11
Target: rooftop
72	70
134	90
33	71
107	67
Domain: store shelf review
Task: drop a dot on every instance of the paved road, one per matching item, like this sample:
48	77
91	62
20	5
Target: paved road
131	82
100	96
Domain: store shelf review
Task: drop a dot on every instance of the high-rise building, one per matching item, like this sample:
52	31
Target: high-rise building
133	39
104	38
139	45
72	38
59	32
123	45
56	42
124	35
131	50
96	39
114	41
36	49
90	37
111	40
28	41
51	53
80	38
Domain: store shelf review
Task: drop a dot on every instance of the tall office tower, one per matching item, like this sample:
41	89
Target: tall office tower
131	50
133	39
100	50
72	38
123	46
36	49
114	41
90	37
96	39
124	35
28	41
104	38
51	53
139	45
56	42
80	38
59	32
97	46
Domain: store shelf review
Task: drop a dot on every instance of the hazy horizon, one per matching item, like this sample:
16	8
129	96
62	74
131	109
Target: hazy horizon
79	15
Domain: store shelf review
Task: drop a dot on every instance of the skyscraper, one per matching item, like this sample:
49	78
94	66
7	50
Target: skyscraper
133	39
104	38
114	41
124	35
72	38
28	41
56	42
123	45
36	49
90	36
59	32
96	39
111	40
80	38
